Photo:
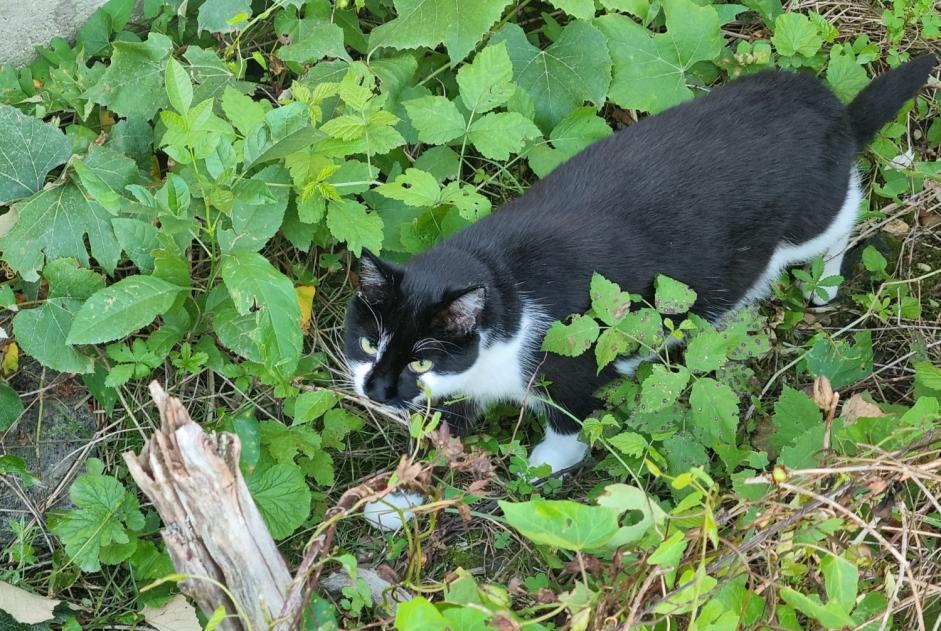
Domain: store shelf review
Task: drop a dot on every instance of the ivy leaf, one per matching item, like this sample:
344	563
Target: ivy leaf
650	69
432	22
436	118
487	82
105	515
351	222
795	34
662	388
574	69
54	223
671	296
261	292
133	83
223	16
562	523
497	135
573	133
122	308
714	410
571	339
29	149
282	497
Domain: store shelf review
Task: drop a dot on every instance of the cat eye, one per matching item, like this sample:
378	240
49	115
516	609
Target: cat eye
367	346
420	365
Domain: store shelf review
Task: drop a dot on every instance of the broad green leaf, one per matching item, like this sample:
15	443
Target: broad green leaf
683	452
581	9
353	223
562	523
133	83
414	187
10	406
571	339
873	259
223	16
573	133
622	498
839	360
487	82
669	553
29	149
242	111
671	296
53	224
67	280
629	443
257	210
261	292
795	34
608	302
497	135
318	39
803	451
42	333
611	344
841	578
846	75
831	615
662	388
337	423
574	69
432	22
436	118
650	69
138	239
470	204
714	410
418	614
794	415
927	379
122	308
211	75
179	88
644	326
282	497
706	352
312	405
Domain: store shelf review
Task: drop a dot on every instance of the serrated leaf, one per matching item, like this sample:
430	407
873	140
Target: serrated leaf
352	222
133	83
608	302
795	34
337	423
714	410
497	135
573	133
838	360
574	69
42	334
470	204
845	75
257	210
313	405
671	296
122	308
223	16
29	149
611	344
562	523
650	69
571	339
242	111
487	82
67	280
662	388
211	75
414	187
794	415
629	443
432	22
706	352
436	118
179	88
282	497
318	39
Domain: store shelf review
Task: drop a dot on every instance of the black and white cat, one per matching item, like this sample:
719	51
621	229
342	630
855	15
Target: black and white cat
722	193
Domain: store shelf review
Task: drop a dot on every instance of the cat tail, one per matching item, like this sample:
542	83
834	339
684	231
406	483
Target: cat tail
881	100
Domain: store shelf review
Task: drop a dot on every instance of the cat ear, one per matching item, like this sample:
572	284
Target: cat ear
376	278
460	313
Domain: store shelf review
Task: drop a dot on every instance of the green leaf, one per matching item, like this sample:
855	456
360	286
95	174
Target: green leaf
414	187
257	210
672	297
611	344
669	552
313	405
418	614
574	69
841	578
223	16
133	83
487	82
706	352
562	523
650	70
179	88
282	497
873	259
581	9
795	34
621	498
42	333
104	515
927	379
830	615
841	362
29	149
436	118
497	135
431	22
352	222
10	406
629	443
608	302
794	415
242	111
337	423
319	39
67	280
122	308
846	76
211	75
263	293
573	133
714	409
571	339
662	388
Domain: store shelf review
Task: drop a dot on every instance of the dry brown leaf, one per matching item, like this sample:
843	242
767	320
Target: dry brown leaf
24	606
857	407
176	615
897	228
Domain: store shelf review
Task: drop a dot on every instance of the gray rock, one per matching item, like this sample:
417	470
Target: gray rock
26	24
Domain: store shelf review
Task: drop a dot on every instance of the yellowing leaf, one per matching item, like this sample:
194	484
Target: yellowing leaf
11	359
24	606
305	298
176	615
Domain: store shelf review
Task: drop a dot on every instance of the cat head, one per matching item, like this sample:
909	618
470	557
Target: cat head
407	326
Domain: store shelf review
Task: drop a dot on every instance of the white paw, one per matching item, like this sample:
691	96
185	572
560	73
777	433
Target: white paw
391	512
559	451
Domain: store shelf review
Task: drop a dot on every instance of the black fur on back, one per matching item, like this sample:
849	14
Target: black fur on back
703	192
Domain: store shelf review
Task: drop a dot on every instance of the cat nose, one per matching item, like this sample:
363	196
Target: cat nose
381	390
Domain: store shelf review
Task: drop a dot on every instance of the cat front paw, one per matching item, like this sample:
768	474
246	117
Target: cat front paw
559	451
